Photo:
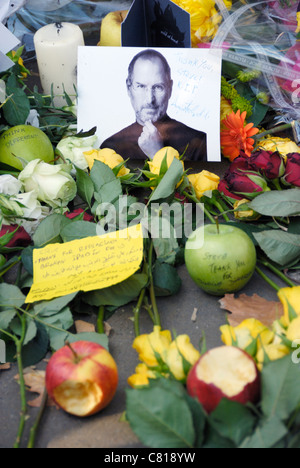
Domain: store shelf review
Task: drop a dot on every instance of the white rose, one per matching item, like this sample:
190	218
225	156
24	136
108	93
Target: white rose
72	149
9	185
53	184
32	210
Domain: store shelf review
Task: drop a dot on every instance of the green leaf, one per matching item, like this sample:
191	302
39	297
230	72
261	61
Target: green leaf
281	247
268	433
31	331
199	419
232	421
85	186
78	230
6	316
17	108
166	279
277	203
280	388
10	295
119	294
48	231
160	417
48	308
99	338
37	348
169	181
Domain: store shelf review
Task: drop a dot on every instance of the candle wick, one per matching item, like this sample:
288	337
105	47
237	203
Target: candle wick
59	27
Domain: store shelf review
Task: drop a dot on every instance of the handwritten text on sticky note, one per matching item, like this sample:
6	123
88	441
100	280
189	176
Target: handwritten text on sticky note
85	264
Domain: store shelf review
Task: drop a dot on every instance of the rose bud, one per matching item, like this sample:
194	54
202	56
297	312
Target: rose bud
247	184
270	164
292	169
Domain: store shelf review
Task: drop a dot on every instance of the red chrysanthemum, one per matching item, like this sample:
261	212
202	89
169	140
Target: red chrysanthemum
236	136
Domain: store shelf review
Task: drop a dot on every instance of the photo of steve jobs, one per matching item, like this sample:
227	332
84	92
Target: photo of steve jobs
149	87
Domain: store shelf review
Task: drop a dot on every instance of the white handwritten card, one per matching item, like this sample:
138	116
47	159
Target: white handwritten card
105	101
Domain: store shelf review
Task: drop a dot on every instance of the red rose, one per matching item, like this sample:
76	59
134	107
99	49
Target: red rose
79	211
223	188
21	237
240	163
247	184
269	164
292	169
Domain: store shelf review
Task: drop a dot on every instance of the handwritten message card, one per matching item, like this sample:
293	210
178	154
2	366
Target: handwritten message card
85	264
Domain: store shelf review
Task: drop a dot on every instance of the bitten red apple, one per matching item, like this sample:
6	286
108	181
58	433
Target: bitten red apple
82	378
224	372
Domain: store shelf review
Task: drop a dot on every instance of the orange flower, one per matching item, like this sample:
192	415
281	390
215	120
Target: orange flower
236	136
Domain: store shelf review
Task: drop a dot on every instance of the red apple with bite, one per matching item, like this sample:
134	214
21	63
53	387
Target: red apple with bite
224	372
82	378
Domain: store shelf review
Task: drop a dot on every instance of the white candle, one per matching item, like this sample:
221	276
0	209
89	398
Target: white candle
56	47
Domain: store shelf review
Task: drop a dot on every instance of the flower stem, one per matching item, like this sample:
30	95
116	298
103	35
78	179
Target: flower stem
151	287
221	209
202	206
137	310
100	320
277	272
267	279
277	129
19	344
34	429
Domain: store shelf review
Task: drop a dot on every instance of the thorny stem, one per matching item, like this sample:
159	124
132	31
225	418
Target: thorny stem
34	429
137	310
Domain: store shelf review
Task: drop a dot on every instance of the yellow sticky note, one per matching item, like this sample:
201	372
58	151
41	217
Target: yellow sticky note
86	264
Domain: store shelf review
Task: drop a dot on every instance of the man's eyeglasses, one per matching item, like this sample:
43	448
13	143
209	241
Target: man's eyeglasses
157	89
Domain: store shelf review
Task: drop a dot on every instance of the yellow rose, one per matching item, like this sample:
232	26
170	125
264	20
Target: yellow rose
290	299
141	376
108	157
293	331
150	345
203	182
155	164
247	214
272	351
245	333
181	348
283	145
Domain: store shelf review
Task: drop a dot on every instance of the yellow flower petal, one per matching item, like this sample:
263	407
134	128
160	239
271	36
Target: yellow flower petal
290	297
108	157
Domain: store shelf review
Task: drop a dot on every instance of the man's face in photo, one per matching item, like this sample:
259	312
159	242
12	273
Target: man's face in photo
150	90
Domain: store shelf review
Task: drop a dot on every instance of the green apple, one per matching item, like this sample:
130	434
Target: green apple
24	142
220	259
110	33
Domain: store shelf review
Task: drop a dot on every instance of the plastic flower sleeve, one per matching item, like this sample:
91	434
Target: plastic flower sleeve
261	36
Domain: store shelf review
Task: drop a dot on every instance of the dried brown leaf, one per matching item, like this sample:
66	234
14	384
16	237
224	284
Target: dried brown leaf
5	366
84	327
255	306
35	383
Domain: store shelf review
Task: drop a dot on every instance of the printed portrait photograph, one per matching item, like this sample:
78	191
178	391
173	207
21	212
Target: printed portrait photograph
145	99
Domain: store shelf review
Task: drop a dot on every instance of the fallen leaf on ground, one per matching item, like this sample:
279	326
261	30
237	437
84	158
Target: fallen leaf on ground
5	366
244	307
35	383
84	327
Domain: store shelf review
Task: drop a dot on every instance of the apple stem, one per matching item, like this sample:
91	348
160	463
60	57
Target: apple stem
77	358
217	224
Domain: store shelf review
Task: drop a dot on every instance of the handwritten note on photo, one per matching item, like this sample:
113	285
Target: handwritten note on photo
85	264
